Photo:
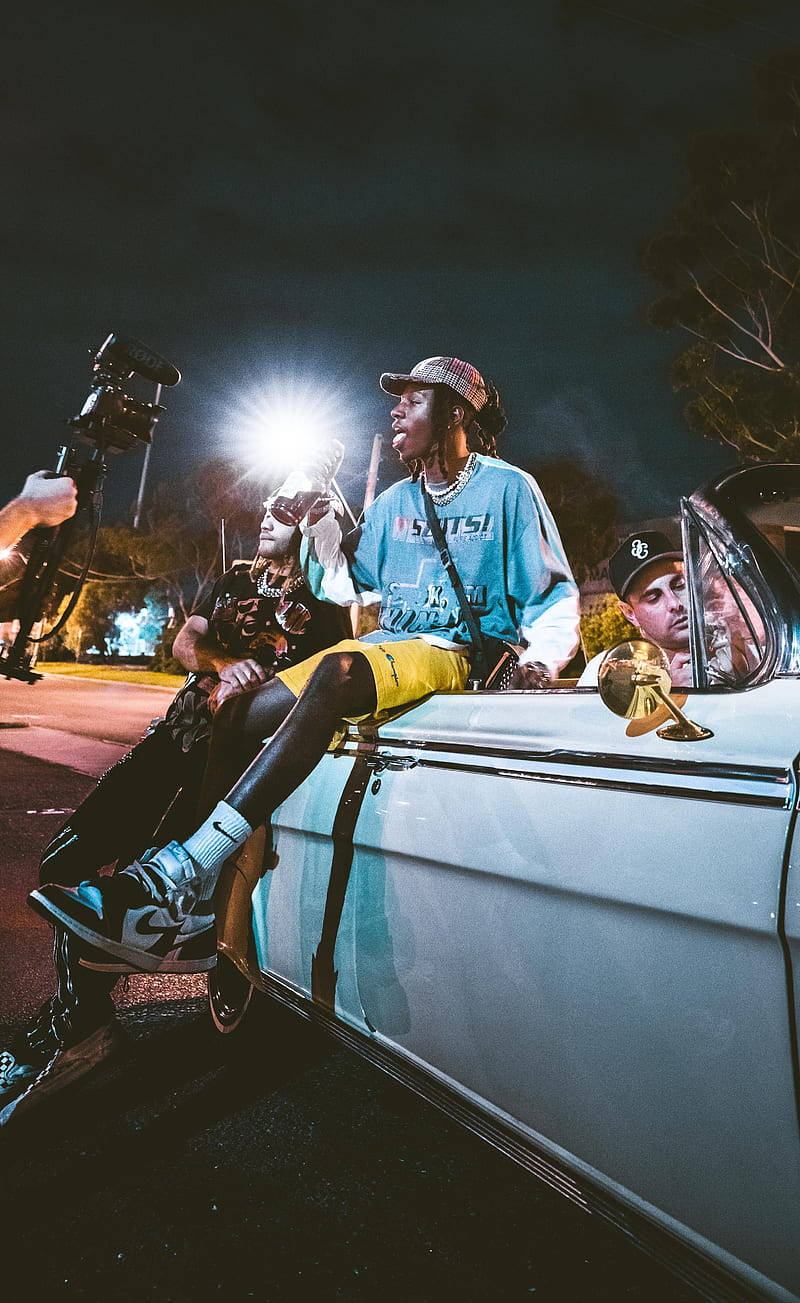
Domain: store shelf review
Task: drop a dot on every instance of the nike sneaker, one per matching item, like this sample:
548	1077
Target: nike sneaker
15	1076
148	916
195	953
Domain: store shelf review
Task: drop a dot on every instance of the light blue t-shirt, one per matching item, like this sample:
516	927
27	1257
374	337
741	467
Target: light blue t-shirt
502	538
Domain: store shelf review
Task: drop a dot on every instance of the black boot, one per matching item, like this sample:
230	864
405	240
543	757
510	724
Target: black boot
72	1033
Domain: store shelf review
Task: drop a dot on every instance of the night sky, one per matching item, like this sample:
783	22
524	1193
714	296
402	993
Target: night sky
315	193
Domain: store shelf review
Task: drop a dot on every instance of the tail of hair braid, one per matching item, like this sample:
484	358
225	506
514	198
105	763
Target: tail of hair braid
489	423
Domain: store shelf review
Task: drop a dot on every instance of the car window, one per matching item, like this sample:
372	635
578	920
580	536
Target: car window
741	538
776	515
732	629
729	640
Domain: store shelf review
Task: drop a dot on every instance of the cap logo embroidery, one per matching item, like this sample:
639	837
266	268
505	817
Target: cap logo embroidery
639	549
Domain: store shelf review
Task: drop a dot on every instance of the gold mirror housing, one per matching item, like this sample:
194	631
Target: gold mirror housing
634	682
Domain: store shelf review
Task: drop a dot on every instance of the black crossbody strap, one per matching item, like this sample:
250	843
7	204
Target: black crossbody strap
479	665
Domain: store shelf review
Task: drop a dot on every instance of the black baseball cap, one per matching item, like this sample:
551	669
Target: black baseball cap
636	552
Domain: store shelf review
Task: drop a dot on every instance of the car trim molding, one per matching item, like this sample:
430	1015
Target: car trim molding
791	1003
781	800
603	760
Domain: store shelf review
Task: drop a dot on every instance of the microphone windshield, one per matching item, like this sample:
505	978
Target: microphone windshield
141	359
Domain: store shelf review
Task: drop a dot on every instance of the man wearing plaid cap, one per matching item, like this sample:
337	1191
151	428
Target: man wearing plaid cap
518	585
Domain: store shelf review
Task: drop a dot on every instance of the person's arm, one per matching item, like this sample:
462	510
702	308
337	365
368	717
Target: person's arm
542	591
45	499
342	571
197	649
680	669
554	633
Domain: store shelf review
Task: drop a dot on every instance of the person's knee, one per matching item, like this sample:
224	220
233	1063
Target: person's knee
345	682
247	717
337	671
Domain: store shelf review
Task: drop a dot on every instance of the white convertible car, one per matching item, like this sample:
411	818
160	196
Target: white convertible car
579	937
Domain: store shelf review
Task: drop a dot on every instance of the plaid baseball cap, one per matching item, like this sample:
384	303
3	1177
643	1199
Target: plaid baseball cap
636	552
451	371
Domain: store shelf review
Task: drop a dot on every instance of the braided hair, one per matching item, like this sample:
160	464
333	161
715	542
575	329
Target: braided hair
483	428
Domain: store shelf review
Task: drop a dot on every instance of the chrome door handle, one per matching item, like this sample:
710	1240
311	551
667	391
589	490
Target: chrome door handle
380	762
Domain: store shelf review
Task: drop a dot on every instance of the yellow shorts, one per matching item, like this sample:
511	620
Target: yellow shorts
406	671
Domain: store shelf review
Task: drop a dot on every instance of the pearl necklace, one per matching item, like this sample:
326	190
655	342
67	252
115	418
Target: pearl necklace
442	496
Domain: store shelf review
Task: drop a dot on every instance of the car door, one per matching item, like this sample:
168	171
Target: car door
581	930
302	915
576	922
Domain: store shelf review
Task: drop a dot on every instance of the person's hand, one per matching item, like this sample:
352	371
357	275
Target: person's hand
48	498
324	462
242	675
229	686
219	693
531	675
319	510
680	669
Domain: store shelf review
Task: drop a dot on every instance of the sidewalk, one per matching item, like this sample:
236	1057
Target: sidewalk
157	679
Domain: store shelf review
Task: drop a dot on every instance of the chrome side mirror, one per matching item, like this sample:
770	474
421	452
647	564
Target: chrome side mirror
634	682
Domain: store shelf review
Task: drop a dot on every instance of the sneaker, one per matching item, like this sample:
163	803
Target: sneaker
192	954
148	915
100	962
15	1076
65	1066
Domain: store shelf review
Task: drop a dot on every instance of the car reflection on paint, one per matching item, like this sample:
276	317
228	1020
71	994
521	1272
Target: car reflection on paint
579	938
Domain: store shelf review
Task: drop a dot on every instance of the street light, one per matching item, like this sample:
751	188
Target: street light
137	513
374	467
279	423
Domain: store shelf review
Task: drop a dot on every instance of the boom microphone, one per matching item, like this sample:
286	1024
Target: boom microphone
141	359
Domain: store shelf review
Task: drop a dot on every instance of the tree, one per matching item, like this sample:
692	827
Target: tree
585	511
604	626
168	565
730	266
93	621
179	549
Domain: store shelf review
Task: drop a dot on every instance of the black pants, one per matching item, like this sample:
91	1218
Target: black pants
150	794
151	790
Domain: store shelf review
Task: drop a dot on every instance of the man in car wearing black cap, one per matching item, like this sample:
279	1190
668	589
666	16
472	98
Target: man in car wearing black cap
646	573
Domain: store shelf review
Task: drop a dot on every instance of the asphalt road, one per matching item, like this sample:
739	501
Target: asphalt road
110	712
267	1165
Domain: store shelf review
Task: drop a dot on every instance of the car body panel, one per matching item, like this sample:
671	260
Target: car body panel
555	930
584	934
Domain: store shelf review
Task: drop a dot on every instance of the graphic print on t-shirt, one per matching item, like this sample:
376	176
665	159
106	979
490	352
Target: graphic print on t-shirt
480	529
258	626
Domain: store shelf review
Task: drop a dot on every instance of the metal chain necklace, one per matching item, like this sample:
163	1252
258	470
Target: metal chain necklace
442	496
288	586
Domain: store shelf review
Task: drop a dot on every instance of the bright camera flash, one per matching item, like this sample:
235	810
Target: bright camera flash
280	422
